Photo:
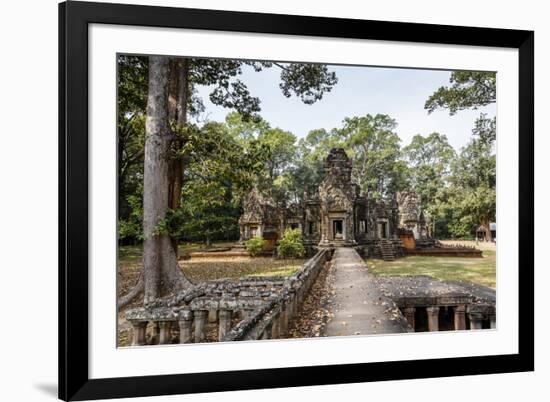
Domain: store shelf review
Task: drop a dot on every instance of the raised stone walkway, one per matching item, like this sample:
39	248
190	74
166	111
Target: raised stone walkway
360	307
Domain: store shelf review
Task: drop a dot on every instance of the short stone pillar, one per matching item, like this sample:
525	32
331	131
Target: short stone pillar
433	318
138	332
275	326
267	332
212	316
225	323
460	317
409	315
185	322
200	323
476	320
165	336
283	320
293	304
493	321
156	333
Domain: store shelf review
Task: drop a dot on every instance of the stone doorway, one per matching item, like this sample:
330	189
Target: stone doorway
338	229
383	230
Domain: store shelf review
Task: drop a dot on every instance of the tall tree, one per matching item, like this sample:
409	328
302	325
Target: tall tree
474	180
160	265
471	90
171	85
375	148
429	160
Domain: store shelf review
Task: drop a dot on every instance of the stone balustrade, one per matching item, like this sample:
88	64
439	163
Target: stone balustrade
248	309
465	309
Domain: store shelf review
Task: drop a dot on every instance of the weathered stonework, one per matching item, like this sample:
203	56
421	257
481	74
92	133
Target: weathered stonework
337	215
264	307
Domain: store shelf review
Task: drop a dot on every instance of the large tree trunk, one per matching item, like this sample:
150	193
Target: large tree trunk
486	225
178	98
161	271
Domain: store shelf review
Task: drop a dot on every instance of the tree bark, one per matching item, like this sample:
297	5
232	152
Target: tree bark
485	224
161	271
178	98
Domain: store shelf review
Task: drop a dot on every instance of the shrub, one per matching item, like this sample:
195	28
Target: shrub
255	246
291	245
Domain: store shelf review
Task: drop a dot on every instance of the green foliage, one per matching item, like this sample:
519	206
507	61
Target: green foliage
429	160
255	246
375	148
291	245
130	228
473	180
247	155
468	90
131	103
307	81
223	160
469	199
373	144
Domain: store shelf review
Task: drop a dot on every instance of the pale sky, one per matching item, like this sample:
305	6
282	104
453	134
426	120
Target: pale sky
400	93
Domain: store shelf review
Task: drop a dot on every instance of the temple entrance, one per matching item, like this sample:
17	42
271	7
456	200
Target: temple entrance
337	229
382	230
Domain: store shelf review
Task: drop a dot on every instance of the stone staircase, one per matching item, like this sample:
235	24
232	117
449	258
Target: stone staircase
386	250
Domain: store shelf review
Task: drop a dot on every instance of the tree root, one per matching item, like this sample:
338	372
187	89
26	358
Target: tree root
132	294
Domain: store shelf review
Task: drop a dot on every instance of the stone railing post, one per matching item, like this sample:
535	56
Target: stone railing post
460	317
275	326
224	323
138	332
433	318
164	335
476	320
409	315
185	322
201	317
283	317
155	336
267	332
293	304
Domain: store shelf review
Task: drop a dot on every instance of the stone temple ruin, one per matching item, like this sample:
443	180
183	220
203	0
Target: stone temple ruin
339	215
338	224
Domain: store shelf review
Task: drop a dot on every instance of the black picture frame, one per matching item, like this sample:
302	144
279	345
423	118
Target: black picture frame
74	18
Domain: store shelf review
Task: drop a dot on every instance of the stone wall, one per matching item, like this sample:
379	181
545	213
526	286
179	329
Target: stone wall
271	320
252	308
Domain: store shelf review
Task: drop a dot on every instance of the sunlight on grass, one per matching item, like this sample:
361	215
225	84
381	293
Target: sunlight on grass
205	268
477	270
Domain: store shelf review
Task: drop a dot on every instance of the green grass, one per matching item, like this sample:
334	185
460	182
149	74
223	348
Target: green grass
477	270
209	268
133	254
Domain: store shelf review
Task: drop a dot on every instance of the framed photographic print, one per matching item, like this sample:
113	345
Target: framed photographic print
259	200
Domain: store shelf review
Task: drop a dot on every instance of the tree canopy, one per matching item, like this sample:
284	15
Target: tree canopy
468	90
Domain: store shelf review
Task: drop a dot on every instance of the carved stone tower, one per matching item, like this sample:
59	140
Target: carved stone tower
337	197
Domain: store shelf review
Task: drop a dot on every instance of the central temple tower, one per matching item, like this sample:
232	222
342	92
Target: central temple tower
337	197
